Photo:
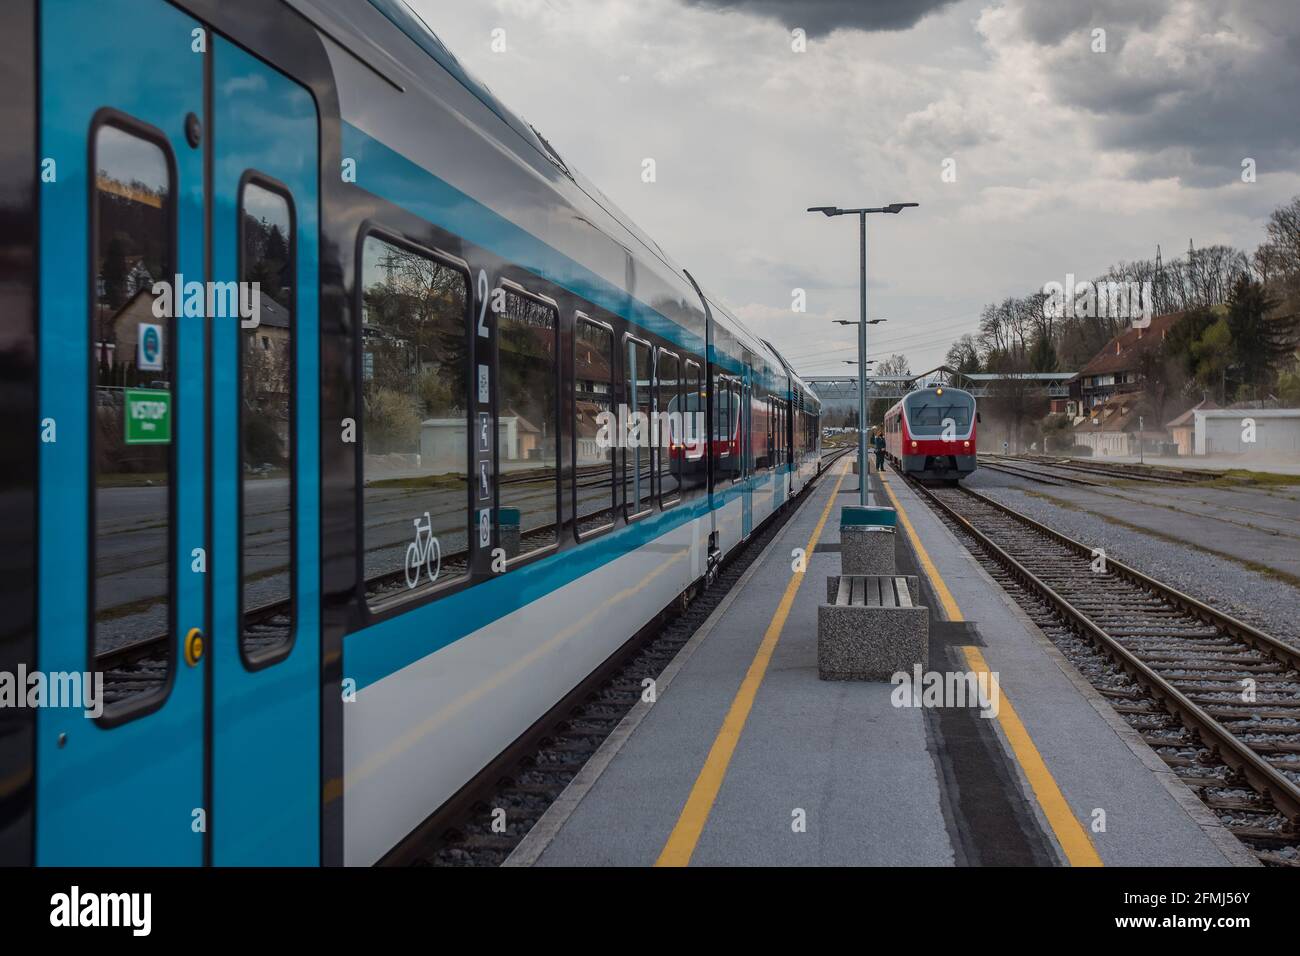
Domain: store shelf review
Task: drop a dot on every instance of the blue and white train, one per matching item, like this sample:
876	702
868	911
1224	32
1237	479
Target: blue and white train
308	345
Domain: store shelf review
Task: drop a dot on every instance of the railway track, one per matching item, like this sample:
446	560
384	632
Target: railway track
1218	700
1040	475
527	779
1127	471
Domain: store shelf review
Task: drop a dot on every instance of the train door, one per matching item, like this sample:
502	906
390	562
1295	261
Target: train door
265	759
198	741
122	543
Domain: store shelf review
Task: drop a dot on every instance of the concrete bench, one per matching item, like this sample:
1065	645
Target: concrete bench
871	627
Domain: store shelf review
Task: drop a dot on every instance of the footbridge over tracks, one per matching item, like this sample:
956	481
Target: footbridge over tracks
840	388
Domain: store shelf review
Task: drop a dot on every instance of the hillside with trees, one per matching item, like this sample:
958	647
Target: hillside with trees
1235	340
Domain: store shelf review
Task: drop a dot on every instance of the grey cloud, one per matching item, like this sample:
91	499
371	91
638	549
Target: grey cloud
819	17
1187	102
1051	21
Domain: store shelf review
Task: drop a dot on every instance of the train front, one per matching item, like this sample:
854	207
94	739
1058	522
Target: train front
939	433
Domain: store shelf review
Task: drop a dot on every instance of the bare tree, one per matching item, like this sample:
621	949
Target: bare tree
1284	232
993	332
1268	263
894	365
964	355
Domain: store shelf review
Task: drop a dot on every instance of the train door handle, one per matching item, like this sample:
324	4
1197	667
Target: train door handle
193	646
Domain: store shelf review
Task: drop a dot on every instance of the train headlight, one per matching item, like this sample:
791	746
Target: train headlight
913	444
965	444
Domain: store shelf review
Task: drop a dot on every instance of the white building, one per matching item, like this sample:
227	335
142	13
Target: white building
1229	431
442	442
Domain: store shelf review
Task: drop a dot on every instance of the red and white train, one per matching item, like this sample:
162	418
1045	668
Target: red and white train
931	433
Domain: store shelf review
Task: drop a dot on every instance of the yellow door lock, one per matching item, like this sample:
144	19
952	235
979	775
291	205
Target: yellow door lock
193	646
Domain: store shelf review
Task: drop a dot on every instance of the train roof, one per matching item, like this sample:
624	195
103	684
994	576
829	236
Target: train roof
364	29
795	377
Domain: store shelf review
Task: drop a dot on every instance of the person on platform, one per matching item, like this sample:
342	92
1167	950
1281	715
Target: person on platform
879	442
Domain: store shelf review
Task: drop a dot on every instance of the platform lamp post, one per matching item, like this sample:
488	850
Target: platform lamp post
864	486
861	402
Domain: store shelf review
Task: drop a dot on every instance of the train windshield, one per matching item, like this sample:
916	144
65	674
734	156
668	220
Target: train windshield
928	412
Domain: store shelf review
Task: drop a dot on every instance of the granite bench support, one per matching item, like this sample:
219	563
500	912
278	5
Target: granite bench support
871	627
867	539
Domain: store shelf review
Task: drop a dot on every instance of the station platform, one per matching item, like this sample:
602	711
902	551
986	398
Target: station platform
747	758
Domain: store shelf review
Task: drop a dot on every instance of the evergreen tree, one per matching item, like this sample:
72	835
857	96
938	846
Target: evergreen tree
1042	355
1259	344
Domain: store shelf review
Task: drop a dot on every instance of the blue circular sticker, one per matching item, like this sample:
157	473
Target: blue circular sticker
151	345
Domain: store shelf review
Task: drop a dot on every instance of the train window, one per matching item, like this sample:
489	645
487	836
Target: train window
594	487
638	458
726	459
779	430
783	435
775	428
928	413
796	438
717	428
668	427
736	441
414	391
769	411
528	439
266	425
763	408
134	430
745	426
694	426
787	433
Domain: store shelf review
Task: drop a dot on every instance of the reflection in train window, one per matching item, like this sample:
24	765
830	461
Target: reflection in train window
737	445
668	430
726	449
134	427
783	431
527	432
593	397
691	468
266	424
638	457
777	460
414	391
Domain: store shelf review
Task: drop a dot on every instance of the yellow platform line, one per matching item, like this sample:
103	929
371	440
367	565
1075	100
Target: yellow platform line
950	609
1070	833
695	814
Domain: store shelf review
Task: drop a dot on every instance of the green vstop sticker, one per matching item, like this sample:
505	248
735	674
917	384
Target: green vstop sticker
148	416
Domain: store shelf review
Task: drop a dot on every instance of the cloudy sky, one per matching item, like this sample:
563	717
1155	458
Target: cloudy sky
1066	159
